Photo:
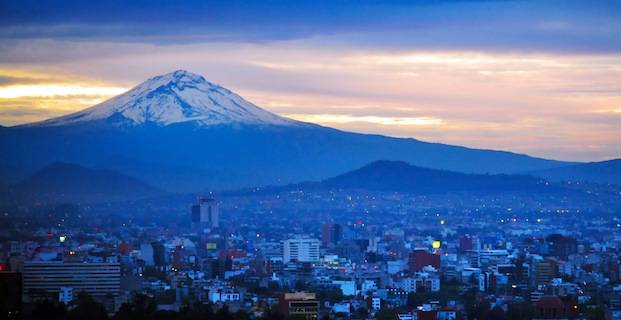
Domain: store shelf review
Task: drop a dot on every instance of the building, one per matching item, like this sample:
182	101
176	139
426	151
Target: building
376	303
65	295
421	258
447	314
224	295
45	279
159	253
299	305
421	282
302	250
552	307
348	287
146	254
206	213
544	271
562	246
466	243
331	233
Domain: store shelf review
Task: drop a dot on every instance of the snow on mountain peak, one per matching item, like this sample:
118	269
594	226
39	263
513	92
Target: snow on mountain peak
179	96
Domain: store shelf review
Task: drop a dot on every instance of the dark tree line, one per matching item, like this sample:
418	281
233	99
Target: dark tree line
140	308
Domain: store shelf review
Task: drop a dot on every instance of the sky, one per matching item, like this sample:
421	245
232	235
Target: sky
535	77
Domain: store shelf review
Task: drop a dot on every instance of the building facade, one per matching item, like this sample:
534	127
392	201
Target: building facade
301	250
49	279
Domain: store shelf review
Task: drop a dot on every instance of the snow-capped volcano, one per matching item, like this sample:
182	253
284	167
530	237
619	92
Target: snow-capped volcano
180	96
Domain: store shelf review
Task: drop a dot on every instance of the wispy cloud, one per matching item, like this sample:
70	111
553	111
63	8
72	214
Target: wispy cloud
56	90
385	121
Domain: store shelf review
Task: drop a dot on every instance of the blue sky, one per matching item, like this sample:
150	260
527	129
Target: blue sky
559	26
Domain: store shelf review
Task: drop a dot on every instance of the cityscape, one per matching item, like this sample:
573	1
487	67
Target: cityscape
450	160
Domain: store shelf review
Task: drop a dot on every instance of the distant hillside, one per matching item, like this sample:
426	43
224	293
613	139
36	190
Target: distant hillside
607	172
400	176
10	174
65	181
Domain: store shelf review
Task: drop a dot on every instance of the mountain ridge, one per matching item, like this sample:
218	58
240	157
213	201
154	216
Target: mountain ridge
68	181
179	96
191	153
603	172
400	176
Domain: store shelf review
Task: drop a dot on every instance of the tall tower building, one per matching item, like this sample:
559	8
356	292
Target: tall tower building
206	213
331	233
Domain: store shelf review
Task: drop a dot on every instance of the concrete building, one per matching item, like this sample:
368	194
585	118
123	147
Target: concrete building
49	278
206	213
544	271
300	305
301	250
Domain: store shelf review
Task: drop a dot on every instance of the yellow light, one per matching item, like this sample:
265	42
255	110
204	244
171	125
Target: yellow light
436	244
51	90
442	221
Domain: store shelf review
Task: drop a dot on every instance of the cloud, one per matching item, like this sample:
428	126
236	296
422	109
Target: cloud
380	120
10	80
501	26
56	90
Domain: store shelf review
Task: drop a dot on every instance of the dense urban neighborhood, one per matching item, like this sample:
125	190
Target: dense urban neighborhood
338	255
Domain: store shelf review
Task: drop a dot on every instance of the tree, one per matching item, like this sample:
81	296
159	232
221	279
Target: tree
518	311
241	315
387	314
87	308
272	314
49	309
413	300
496	314
142	307
223	313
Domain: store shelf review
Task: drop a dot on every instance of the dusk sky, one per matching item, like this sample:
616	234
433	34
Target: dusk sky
536	77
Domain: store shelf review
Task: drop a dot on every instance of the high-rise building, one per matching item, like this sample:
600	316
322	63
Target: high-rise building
544	271
302	250
49	278
159	253
331	233
206	213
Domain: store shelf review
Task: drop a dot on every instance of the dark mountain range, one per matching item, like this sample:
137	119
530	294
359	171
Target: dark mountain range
70	182
399	176
180	132
604	172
